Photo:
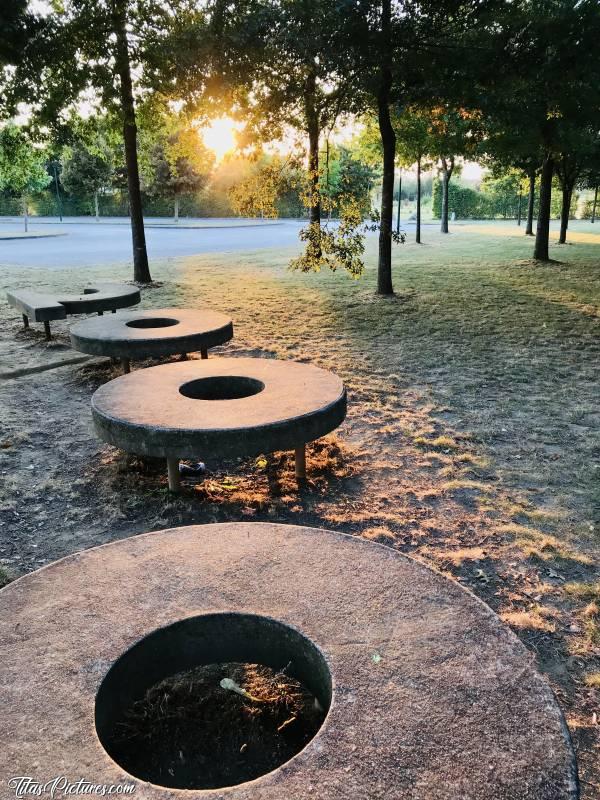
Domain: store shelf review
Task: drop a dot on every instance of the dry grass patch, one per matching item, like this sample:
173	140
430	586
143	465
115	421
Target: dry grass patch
380	534
536	619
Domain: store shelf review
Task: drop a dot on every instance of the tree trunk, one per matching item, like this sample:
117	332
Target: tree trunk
58	200
25	214
519	210
176	209
447	169
567	194
542	234
141	270
329	204
530	202
399	202
388	142
313	128
594	205
418	225
96	209
444	211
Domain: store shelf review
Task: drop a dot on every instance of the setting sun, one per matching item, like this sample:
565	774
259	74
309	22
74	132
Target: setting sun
219	136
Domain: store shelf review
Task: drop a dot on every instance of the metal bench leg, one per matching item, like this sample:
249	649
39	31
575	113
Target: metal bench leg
114	311
100	313
126	365
174	476
25	321
204	353
301	462
47	330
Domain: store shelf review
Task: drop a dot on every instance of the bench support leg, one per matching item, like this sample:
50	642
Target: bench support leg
204	353
114	311
47	330
25	321
126	365
301	462
174	476
184	357
100	313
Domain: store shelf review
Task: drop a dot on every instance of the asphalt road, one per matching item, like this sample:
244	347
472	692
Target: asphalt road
89	244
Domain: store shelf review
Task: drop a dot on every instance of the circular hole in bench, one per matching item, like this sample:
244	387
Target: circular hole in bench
152	322
163	714
221	387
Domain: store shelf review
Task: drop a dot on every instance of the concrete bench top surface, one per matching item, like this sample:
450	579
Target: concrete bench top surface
100	297
432	697
276	405
161	331
95	297
40	307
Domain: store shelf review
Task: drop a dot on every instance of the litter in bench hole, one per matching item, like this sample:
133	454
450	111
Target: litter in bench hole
192	470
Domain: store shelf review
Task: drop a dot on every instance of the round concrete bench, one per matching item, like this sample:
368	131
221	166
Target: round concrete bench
228	407
100	297
146	334
429	696
97	297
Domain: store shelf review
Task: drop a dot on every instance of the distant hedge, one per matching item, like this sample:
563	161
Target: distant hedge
467	203
205	204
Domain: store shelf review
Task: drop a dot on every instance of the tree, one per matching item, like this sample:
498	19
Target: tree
530	202
411	125
506	147
174	159
548	49
86	172
92	48
414	146
451	135
366	49
287	81
270	179
402	54
579	149
590	178
504	188
346	177
172	176
14	22
22	166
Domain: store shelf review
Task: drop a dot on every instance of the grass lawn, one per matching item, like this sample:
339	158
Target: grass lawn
472	440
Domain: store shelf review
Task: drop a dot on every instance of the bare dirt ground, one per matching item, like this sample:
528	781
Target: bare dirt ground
472	440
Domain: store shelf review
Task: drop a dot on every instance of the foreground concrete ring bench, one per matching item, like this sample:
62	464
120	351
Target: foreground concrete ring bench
158	332
226	407
95	298
429	695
